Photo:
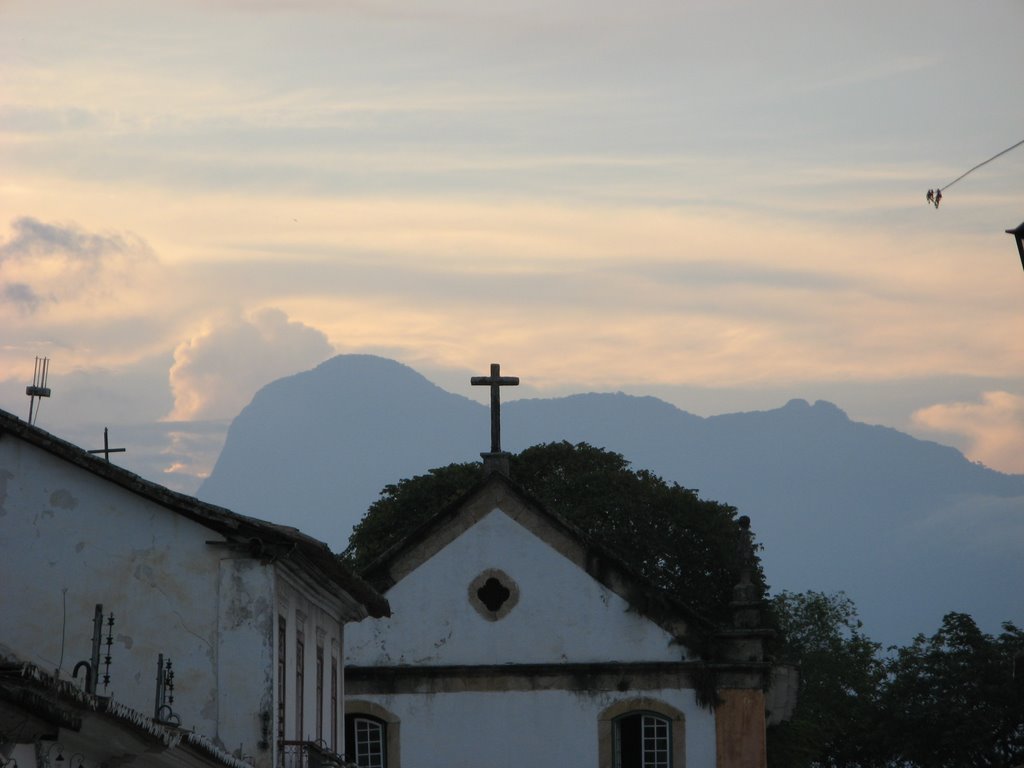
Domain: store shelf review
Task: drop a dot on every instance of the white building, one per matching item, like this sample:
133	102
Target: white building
249	614
513	643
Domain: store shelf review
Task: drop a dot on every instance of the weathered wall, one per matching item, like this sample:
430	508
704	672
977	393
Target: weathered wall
546	729
741	736
562	614
245	641
70	540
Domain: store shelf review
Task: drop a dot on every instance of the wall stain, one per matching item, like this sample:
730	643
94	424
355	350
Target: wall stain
4	477
63	499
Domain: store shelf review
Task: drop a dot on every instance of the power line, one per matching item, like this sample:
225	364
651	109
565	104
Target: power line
954	181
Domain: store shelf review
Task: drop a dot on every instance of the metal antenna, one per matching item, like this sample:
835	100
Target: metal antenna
38	388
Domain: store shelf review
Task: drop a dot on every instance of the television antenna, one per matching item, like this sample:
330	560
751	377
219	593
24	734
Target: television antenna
38	387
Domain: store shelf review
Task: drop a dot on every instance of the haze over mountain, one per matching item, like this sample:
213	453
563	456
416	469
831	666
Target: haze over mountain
909	529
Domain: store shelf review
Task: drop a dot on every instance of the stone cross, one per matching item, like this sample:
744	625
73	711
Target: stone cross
495	381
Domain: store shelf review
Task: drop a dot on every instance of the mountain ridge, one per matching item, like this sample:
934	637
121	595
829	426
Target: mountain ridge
910	529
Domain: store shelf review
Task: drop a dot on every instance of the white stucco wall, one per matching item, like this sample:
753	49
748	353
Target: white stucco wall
70	540
563	615
540	729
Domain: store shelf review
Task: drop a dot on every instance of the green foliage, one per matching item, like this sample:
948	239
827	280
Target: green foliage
947	701
840	673
952	699
682	544
404	506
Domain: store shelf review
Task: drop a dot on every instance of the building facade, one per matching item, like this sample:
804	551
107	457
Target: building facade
513	642
224	625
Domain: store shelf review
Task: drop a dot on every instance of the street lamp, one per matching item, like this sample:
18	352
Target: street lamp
1018	235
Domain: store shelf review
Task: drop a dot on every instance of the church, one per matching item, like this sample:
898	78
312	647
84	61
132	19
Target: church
513	642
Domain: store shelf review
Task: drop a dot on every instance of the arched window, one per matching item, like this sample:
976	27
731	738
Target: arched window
641	733
371	735
366	741
642	740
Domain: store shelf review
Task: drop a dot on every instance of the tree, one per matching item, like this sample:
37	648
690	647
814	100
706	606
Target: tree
952	699
840	673
682	544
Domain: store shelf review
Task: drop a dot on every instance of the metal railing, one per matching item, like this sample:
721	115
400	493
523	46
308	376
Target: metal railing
309	754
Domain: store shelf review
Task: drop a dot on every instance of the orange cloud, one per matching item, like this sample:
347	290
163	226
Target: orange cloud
994	427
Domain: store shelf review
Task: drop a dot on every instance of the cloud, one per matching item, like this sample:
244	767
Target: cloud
47	263
21	295
993	428
34	239
217	370
37	120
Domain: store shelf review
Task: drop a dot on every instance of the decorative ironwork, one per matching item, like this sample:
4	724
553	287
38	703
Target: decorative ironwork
92	666
106	658
162	711
309	754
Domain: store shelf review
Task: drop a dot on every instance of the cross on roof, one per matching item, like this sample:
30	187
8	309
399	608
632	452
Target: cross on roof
106	450
495	381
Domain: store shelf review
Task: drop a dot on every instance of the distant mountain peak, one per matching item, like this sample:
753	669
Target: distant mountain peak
908	528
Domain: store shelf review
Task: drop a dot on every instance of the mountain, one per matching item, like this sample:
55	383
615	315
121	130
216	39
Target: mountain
909	529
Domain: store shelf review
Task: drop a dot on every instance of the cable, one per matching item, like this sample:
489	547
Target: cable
954	181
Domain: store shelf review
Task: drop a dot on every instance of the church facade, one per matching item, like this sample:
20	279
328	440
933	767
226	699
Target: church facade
512	642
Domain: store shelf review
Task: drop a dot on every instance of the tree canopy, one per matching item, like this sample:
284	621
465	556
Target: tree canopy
948	700
840	675
682	544
953	699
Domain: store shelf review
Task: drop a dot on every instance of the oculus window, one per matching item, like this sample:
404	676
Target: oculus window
493	594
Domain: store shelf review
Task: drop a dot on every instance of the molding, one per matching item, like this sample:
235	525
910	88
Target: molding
589	678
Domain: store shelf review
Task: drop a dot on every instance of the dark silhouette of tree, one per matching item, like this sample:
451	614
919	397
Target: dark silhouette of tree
840	676
945	701
952	699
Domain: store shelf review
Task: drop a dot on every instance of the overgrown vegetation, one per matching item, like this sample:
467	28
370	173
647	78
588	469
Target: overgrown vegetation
684	545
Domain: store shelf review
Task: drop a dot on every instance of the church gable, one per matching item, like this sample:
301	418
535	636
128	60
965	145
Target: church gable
497	580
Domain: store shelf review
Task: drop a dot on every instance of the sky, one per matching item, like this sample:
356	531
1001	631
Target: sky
721	204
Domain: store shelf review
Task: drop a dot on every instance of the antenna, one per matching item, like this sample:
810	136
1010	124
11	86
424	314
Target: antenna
38	388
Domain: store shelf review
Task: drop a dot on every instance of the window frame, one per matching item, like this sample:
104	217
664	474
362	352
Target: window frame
607	725
389	721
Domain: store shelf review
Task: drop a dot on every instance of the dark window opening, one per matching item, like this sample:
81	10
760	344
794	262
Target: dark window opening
282	639
334	703
493	594
300	681
319	692
642	741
